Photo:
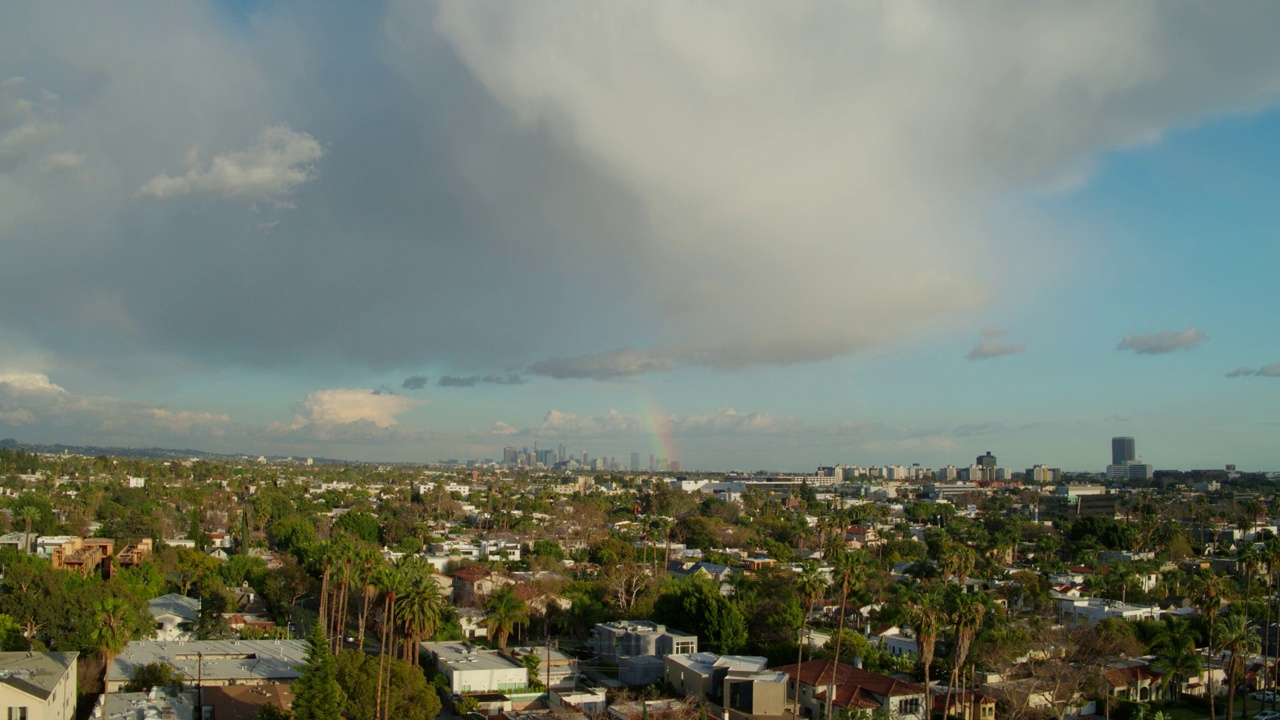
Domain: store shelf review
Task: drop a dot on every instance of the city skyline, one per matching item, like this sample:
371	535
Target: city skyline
734	235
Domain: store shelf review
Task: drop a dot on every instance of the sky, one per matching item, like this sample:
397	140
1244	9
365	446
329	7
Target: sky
737	234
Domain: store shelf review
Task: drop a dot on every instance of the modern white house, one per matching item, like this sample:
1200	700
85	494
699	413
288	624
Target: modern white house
38	685
472	669
1089	610
637	647
176	617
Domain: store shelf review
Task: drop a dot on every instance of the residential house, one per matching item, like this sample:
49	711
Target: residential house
895	640
38	685
668	709
963	704
472	585
472	622
1089	610
242	702
556	670
848	689
740	684
215	662
472	669
637	647
1136	680
176	617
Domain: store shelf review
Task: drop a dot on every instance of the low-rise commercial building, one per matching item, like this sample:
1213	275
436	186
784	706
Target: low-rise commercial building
472	669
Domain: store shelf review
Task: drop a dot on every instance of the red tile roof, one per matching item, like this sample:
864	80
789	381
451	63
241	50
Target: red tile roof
854	686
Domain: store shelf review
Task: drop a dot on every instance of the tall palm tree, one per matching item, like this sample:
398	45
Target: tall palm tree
419	613
27	515
1238	639
967	613
1176	656
369	563
1271	557
1208	591
506	612
392	582
928	614
810	587
853	568
110	635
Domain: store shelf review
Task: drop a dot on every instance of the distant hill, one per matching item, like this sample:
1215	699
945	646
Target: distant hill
152	453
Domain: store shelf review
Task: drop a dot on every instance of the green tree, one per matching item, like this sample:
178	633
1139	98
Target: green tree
1240	640
317	694
1176	656
506	613
156	674
360	525
110	635
696	605
1208	591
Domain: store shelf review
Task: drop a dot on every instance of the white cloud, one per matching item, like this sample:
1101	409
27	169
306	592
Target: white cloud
278	162
344	406
502	428
818	178
30	382
190	423
990	346
1163	342
62	162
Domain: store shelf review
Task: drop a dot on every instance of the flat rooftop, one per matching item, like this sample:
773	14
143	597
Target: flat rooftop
215	660
464	656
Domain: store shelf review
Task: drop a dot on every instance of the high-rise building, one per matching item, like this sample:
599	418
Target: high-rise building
1122	450
635	462
987	460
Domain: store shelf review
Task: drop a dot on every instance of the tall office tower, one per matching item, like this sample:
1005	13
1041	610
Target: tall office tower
986	461
509	455
635	462
561	456
651	465
1122	450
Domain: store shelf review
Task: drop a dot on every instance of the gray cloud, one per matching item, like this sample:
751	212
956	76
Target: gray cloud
1163	342
990	346
473	380
414	382
1271	370
610	365
565	159
1240	372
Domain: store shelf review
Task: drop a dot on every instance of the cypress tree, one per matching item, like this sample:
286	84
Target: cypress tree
317	695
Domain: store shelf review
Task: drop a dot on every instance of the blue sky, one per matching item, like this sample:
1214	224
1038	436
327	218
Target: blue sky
746	235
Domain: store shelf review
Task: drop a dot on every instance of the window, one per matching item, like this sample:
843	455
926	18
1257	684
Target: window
18	713
909	706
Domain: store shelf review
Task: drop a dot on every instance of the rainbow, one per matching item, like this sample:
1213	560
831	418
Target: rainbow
658	425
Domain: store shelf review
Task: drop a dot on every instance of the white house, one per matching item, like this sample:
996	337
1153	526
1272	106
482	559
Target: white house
176	617
38	685
471	669
215	662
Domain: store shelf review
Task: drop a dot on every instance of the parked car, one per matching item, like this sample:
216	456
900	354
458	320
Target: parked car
1267	715
1264	695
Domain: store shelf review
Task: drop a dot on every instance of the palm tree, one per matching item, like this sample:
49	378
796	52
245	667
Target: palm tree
967	614
1271	557
392	582
1209	590
853	568
506	612
419	613
368	563
1176	656
811	587
1241	641
27	514
110	635
928	615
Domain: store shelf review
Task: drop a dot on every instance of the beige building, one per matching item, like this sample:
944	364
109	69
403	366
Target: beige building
38	685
